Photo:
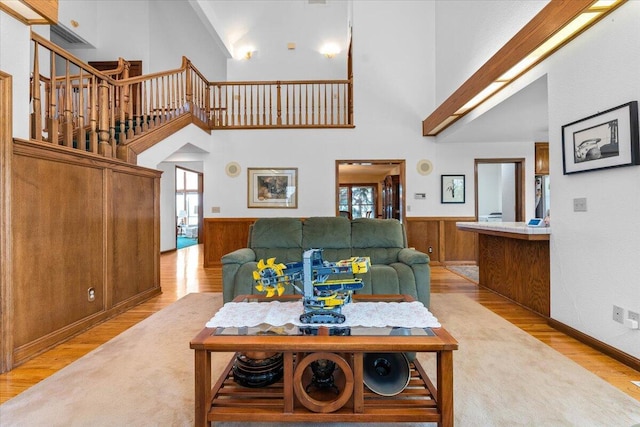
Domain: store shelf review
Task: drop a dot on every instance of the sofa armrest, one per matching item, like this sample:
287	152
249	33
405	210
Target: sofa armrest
239	256
412	257
231	264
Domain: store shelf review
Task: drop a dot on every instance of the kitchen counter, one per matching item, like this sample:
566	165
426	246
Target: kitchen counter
513	260
514	230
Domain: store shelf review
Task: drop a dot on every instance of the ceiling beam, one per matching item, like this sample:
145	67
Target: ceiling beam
545	24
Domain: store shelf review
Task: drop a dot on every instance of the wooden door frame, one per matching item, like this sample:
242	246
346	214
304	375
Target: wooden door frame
200	200
6	256
519	174
400	163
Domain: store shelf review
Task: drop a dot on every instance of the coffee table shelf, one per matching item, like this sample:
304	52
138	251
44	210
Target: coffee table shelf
285	400
231	401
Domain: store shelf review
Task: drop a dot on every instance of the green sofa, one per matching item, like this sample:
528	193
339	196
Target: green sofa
395	269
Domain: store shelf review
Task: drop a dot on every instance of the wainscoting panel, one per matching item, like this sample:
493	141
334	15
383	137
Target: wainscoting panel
86	244
438	237
224	235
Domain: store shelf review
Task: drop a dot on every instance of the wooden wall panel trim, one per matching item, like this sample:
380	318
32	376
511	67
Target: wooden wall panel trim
447	244
224	235
6	295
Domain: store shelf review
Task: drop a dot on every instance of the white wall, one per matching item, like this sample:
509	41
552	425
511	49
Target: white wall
15	40
309	26
121	30
508	175
469	32
489	188
594	254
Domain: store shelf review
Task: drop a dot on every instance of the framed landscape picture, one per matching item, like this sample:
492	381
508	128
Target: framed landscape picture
452	189
272	188
605	140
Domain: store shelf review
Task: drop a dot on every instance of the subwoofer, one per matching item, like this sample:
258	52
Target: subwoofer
386	374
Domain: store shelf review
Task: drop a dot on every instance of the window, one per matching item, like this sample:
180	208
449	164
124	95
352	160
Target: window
360	200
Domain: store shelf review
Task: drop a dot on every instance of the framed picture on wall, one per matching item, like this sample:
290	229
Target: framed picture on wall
605	140
272	188
452	190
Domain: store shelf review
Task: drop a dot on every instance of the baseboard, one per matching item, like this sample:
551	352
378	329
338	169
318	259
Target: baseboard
604	348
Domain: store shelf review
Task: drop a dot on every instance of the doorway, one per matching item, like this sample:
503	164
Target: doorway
370	188
188	207
499	190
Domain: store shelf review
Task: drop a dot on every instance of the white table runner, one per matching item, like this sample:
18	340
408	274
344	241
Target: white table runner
368	314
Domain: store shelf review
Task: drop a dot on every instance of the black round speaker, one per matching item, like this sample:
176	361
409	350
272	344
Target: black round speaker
386	374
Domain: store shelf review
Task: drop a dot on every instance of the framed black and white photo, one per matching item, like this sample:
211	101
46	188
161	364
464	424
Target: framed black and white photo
452	189
272	188
605	140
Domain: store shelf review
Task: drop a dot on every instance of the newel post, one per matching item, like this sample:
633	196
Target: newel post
104	148
189	86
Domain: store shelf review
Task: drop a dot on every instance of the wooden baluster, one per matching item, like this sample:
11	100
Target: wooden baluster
36	116
146	105
207	103
157	116
173	105
93	111
52	120
112	121
103	119
350	100
244	105
278	104
252	111
67	123
324	90
80	130
271	105
299	118
332	86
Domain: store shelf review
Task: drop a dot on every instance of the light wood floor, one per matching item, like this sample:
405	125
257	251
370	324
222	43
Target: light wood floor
182	273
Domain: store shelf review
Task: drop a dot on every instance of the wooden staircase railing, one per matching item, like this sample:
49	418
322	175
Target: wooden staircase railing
111	114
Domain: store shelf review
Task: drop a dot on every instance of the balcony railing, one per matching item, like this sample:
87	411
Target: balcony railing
281	104
79	107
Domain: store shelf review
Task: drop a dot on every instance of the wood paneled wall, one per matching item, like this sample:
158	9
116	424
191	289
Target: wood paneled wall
438	237
78	222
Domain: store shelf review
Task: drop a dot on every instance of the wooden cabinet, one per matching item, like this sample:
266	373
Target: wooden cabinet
542	158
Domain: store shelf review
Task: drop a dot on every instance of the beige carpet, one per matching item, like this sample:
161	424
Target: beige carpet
144	377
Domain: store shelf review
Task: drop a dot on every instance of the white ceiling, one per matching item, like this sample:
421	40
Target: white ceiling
522	117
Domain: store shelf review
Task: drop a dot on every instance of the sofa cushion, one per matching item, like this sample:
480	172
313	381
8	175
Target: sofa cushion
332	234
277	237
379	239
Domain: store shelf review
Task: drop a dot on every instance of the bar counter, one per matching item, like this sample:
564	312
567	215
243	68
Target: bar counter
513	261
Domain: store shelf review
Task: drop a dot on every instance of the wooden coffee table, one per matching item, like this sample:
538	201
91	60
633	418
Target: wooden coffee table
288	400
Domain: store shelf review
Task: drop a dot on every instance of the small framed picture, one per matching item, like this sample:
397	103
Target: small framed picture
272	188
452	189
605	140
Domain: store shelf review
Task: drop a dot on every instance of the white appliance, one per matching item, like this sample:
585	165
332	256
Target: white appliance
542	196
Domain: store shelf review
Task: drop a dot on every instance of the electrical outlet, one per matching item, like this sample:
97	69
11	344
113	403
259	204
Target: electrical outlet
430	250
618	314
91	294
580	204
633	316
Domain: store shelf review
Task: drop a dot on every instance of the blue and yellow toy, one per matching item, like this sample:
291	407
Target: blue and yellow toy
322	298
